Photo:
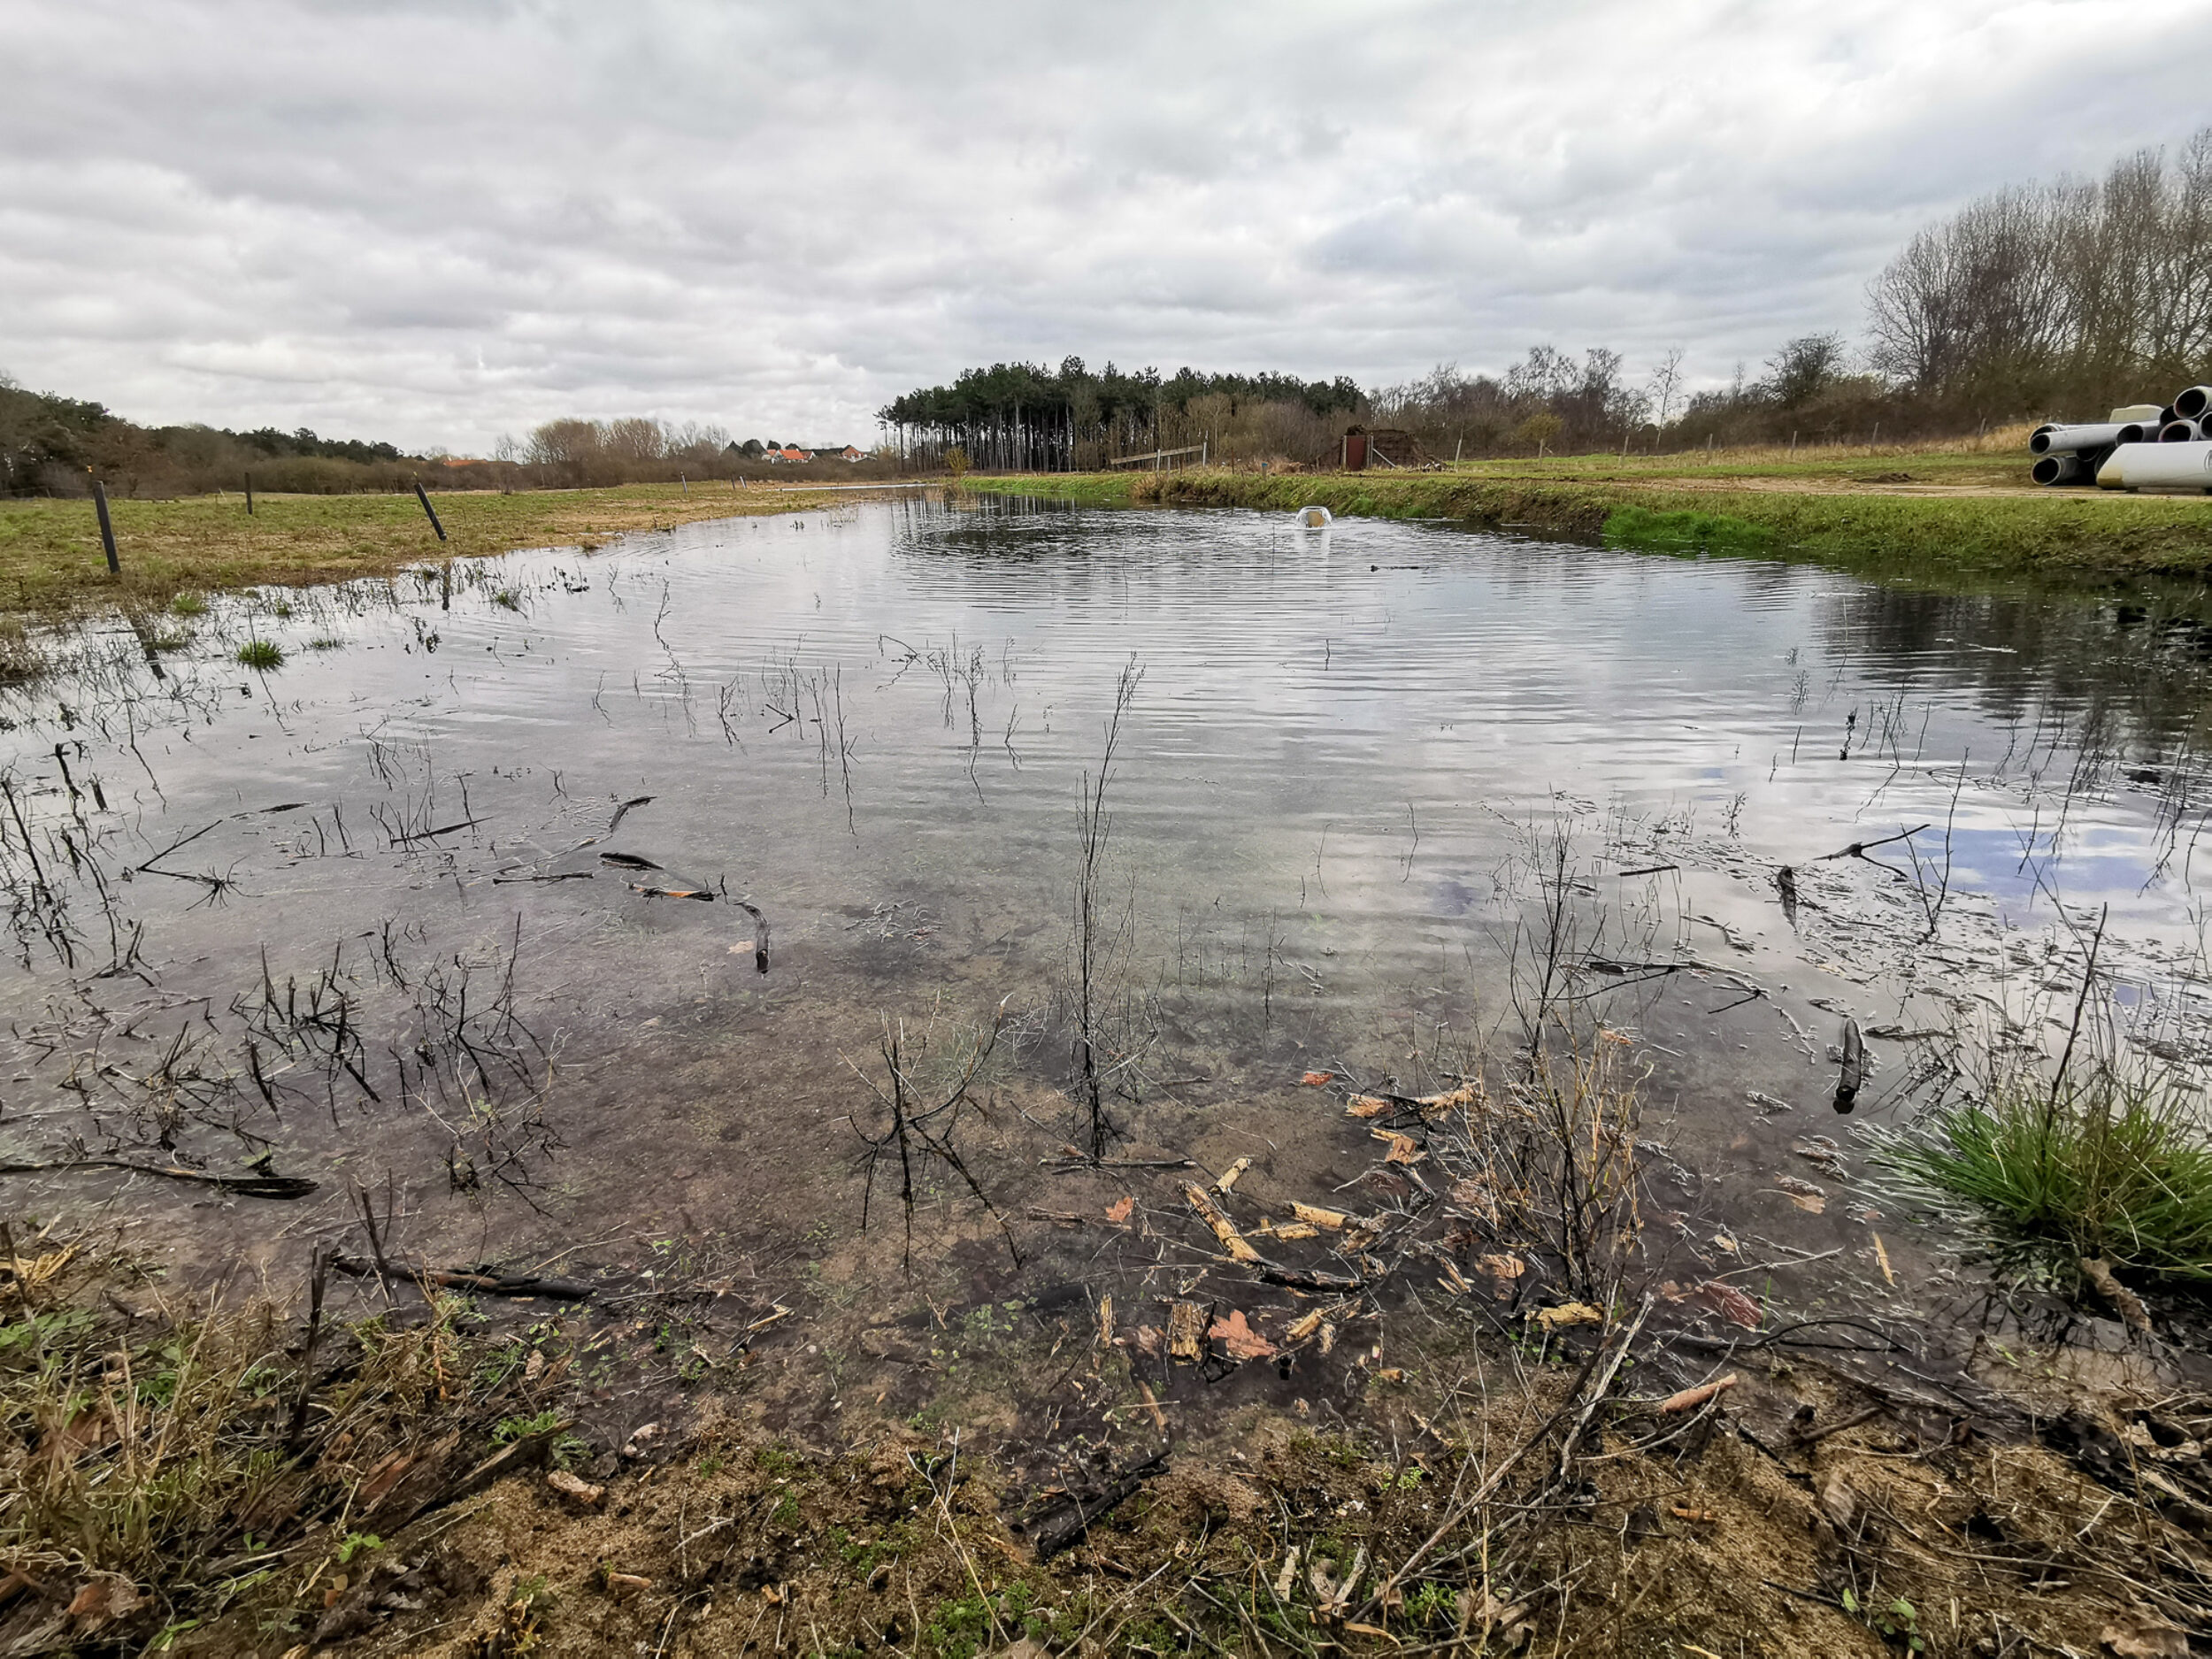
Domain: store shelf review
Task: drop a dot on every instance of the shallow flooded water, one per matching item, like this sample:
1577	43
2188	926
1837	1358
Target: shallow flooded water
458	905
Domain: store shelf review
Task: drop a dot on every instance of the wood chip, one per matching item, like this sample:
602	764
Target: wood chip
1404	1148
1881	1258
1186	1332
1473	1196
1229	1176
1690	1398
1567	1314
1105	1322
1734	1306
1331	1220
1317	1079
1435	1106
575	1489
1366	1106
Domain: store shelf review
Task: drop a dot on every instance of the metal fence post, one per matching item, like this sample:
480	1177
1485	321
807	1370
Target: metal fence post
107	529
423	496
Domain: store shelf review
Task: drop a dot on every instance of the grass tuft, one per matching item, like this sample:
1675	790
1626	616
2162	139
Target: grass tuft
1684	531
2113	1167
262	654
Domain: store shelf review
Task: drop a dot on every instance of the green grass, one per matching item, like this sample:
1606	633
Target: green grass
2113	1167
1684	531
262	654
1946	527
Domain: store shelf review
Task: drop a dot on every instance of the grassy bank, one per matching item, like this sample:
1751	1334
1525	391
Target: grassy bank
1894	514
51	562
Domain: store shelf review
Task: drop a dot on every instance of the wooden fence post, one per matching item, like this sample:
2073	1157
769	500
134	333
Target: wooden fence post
250	495
423	496
107	529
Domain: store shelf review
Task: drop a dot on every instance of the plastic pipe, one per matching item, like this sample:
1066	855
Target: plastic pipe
2060	469
2191	403
2158	466
2095	436
2179	432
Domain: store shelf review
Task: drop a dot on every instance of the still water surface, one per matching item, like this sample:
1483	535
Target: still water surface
1347	756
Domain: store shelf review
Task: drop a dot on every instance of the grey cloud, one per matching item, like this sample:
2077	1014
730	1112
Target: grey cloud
435	222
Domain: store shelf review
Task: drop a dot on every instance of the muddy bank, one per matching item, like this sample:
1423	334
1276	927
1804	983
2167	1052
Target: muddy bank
434	1473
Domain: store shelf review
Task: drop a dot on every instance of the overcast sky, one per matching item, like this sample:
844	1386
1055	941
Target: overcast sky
435	223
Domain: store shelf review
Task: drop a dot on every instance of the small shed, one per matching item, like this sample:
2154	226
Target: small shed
1363	447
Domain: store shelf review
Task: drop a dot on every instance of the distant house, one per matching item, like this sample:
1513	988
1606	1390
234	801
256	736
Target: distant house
791	452
838	452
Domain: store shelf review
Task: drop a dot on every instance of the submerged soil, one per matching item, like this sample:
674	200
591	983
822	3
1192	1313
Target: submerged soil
607	917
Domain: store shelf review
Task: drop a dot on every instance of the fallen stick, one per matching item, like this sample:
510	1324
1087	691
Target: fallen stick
244	1186
1060	1531
484	1284
1813	1437
424	835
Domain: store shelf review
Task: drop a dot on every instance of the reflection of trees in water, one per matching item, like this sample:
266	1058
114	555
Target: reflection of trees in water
2110	692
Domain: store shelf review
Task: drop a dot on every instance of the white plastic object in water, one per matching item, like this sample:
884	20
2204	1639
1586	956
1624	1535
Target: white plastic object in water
2193	403
1314	518
2158	466
2094	435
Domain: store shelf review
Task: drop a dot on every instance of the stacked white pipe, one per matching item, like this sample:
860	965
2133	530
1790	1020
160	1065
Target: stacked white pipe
2143	446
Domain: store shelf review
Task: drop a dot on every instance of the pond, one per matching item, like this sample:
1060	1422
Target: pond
562	905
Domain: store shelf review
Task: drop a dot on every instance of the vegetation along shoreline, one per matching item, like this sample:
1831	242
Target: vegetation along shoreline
1938	518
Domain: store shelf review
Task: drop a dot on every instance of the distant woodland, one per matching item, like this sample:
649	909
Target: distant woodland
2053	300
2045	301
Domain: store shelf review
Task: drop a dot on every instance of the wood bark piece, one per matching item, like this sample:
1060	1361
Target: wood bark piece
1186	1332
1224	1230
1062	1527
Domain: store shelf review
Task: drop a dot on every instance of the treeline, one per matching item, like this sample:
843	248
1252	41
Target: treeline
2057	299
51	445
2045	301
54	446
1024	416
574	453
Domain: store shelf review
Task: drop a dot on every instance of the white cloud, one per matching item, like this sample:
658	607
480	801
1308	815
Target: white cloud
434	223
